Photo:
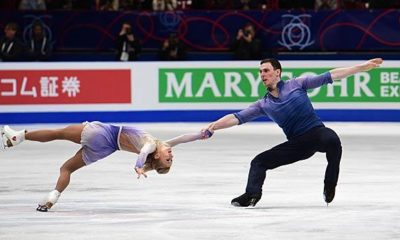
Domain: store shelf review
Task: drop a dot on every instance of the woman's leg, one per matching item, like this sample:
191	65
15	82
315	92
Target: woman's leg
71	133
67	169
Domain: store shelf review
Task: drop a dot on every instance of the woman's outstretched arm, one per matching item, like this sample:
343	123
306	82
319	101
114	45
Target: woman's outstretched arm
188	137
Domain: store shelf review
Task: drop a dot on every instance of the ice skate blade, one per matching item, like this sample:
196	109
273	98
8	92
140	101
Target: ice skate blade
44	208
236	204
41	208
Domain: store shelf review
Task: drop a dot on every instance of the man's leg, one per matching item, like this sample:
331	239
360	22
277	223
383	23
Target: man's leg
283	154
329	143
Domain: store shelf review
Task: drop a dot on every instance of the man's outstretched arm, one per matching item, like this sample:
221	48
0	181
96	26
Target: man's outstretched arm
339	73
226	121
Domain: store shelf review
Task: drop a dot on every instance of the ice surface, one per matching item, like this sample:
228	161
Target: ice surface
106	201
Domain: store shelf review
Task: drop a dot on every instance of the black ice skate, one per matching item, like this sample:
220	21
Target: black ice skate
246	200
44	208
329	193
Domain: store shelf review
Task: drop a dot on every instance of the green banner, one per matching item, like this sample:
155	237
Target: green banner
244	85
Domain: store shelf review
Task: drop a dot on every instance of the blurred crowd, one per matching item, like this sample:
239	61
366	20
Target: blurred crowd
37	46
171	5
36	43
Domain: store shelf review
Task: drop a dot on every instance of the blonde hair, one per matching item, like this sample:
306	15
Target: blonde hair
153	163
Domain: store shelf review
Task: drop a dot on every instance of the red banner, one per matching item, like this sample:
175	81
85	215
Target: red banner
65	86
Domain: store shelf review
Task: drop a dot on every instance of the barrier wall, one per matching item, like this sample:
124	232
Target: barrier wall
335	30
180	91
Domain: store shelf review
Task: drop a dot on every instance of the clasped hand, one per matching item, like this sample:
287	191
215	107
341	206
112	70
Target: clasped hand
139	172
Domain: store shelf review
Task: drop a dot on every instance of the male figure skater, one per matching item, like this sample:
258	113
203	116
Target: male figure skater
287	104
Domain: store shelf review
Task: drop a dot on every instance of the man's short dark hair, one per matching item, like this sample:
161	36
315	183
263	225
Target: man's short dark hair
275	63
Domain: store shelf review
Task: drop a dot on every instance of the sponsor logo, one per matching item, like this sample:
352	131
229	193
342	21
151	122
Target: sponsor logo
64	86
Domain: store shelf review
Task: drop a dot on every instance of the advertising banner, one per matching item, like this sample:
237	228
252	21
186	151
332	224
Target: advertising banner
182	91
227	85
59	86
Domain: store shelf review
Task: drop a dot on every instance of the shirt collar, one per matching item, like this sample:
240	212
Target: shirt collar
279	85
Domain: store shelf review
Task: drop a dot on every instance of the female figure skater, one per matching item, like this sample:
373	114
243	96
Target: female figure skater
98	141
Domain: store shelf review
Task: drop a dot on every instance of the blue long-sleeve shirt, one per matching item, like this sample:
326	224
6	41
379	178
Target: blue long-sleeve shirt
292	109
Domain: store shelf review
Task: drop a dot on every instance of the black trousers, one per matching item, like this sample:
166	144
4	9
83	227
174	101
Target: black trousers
319	139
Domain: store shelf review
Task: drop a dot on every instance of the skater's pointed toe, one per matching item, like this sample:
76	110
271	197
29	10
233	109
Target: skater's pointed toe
329	192
11	137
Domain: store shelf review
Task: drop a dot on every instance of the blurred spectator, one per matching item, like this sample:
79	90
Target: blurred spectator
128	46
135	4
246	46
40	47
11	48
158	5
107	5
325	4
244	5
32	5
184	4
126	5
172	49
354	4
170	5
164	5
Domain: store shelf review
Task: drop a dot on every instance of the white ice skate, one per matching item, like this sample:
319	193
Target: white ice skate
3	140
10	137
49	201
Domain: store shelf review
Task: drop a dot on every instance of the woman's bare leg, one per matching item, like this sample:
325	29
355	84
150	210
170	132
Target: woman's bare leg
71	133
67	169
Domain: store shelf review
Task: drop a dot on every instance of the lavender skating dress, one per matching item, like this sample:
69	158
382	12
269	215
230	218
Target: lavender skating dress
98	141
